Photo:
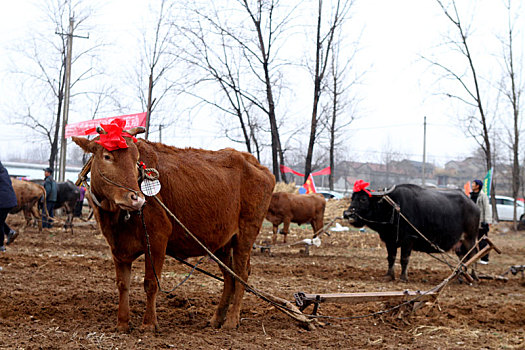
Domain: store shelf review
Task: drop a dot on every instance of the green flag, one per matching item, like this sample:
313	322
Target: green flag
487	181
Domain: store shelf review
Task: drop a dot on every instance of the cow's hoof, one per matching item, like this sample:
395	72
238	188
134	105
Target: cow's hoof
230	324
403	279
123	327
149	328
389	277
214	322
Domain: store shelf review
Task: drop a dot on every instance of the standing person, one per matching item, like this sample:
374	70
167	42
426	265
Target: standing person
482	201
51	197
7	202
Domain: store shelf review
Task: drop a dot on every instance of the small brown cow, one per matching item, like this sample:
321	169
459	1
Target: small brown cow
298	208
28	194
220	196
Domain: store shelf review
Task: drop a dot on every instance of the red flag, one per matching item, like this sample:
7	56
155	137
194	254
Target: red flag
309	185
80	128
285	169
325	171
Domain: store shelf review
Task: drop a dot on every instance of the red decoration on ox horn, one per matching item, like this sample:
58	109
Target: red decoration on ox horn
360	185
114	137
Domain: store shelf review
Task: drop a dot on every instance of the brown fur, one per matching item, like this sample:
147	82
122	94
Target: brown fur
221	197
27	195
298	208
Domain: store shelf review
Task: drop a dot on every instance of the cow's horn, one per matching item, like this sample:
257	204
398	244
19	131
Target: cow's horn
101	130
136	130
383	193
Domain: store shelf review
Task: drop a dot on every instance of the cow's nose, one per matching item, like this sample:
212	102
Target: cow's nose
348	213
136	201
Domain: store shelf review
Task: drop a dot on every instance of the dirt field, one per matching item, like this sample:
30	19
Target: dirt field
58	291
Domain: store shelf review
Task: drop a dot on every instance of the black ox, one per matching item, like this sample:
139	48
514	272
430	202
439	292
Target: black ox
67	196
444	217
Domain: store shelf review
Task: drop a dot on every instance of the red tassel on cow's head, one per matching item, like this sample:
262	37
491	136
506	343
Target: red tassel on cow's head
114	137
360	185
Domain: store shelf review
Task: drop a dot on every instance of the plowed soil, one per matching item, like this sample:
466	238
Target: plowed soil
57	291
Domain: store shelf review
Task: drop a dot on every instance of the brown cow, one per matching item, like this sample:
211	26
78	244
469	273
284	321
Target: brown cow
220	196
298	208
28	194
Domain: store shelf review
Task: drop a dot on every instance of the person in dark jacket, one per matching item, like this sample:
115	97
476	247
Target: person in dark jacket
7	202
51	197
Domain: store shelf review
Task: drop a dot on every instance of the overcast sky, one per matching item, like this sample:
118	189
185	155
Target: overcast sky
397	91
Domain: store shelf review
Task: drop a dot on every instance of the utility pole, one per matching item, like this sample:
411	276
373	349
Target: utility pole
424	150
65	115
160	132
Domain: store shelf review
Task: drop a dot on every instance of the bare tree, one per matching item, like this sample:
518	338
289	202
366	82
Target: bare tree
324	46
511	87
266	30
256	35
221	65
155	62
341	106
478	123
42	66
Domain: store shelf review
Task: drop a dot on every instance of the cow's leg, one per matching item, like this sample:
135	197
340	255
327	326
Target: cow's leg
392	252
36	215
158	252
286	228
241	257
123	270
218	317
69	218
27	216
317	224
406	249
275	230
468	241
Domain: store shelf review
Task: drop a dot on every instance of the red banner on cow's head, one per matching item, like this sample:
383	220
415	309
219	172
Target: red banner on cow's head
114	137
360	185
80	128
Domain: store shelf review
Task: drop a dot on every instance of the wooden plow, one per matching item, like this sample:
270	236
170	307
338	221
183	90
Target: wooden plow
413	299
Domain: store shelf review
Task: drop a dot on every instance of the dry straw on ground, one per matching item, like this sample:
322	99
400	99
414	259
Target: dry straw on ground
286	187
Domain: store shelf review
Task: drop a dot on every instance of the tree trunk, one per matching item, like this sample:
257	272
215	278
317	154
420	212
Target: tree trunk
332	134
150	92
54	144
515	168
317	94
277	154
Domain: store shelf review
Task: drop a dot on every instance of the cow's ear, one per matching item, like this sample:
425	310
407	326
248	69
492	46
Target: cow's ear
87	145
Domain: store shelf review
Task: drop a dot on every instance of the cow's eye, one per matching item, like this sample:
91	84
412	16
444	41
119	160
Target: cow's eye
107	157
